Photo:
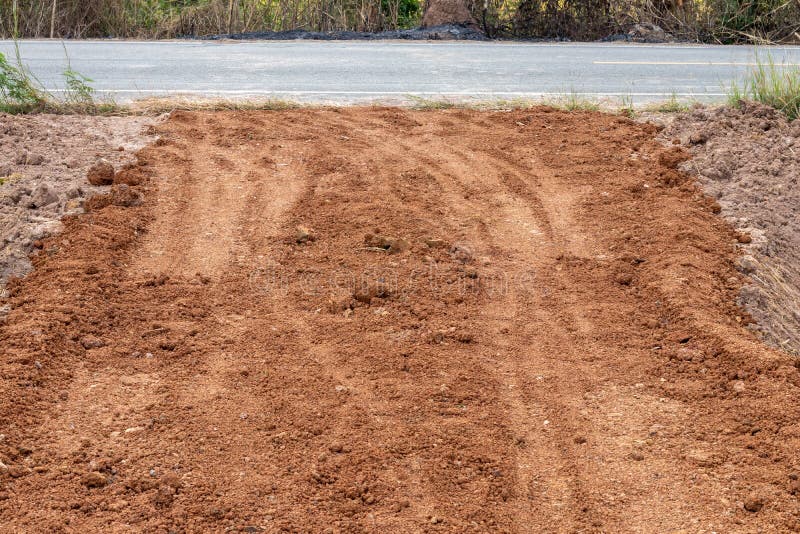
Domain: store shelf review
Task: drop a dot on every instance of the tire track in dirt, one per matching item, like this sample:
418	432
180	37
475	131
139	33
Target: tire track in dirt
461	198
202	226
378	152
567	305
563	478
270	394
512	369
536	449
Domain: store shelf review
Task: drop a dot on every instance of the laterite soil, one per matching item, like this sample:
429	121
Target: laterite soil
488	322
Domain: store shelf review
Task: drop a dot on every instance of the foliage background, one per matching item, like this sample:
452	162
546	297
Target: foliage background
724	21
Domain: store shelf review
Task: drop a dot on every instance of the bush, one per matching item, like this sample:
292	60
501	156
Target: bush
171	18
723	21
754	20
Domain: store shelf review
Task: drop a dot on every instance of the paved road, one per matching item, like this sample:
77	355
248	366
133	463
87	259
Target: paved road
358	71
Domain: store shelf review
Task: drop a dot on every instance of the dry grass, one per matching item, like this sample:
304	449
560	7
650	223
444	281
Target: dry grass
155	106
672	105
772	281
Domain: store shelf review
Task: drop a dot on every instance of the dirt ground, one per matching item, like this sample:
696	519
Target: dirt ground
381	319
43	165
749	160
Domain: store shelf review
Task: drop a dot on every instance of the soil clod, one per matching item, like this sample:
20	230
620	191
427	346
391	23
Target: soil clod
94	479
303	235
101	173
754	503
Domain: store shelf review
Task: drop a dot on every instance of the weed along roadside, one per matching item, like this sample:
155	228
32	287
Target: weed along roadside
21	92
771	84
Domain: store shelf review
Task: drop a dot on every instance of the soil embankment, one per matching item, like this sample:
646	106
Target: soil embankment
748	159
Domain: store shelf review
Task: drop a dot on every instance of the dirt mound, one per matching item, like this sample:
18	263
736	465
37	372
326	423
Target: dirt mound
44	161
748	159
554	347
441	12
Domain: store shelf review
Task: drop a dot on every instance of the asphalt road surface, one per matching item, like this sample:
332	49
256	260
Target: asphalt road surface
362	71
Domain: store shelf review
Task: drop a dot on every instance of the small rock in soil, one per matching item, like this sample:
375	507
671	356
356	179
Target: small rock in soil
470	272
29	159
461	253
42	196
754	504
624	278
391	244
164	496
303	235
698	138
123	195
18	471
92	342
747	264
738	386
687	354
172	480
366	294
128	175
74	192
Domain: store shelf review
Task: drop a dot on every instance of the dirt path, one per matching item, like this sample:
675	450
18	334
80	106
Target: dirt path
550	343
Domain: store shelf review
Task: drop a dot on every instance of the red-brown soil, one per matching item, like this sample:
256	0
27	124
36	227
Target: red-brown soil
492	322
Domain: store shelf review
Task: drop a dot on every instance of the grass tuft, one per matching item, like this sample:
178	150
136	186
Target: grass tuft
429	104
672	105
11	178
774	85
575	102
627	108
19	93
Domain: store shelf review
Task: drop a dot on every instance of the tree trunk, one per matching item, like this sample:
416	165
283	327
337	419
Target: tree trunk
230	15
53	21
